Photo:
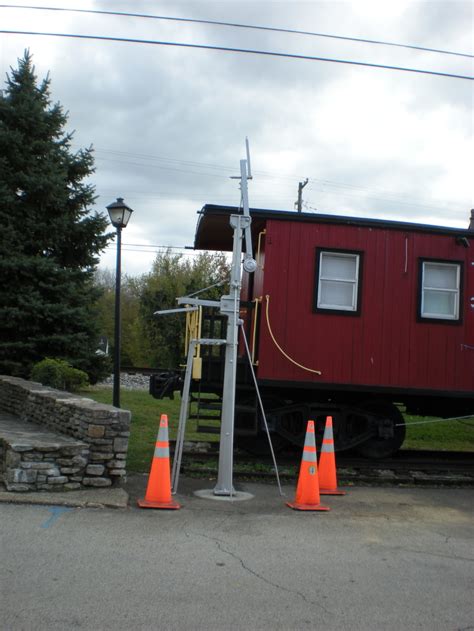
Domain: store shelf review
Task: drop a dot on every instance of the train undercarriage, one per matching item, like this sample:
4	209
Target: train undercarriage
368	421
375	428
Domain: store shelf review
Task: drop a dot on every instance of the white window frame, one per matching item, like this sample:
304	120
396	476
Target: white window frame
456	291
353	308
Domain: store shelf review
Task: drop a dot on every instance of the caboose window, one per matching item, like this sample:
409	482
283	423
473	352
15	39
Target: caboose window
440	290
338	281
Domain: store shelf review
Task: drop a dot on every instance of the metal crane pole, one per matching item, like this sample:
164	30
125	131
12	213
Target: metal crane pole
230	306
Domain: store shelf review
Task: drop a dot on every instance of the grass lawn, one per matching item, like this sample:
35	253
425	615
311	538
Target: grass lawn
443	435
146	413
448	435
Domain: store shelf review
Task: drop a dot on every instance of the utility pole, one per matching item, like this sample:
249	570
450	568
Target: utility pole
299	202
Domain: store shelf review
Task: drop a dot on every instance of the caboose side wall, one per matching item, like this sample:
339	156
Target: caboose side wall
386	345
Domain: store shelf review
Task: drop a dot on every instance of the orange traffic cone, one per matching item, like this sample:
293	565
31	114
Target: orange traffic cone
158	492
307	489
327	463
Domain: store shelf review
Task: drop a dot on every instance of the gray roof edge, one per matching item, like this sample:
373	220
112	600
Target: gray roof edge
288	215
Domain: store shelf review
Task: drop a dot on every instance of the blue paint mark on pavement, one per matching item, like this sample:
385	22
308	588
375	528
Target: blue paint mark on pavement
56	511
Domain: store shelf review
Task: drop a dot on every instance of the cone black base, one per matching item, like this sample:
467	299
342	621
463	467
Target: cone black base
164	505
308	507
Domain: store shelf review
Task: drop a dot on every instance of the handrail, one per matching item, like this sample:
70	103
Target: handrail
257	301
259	245
193	329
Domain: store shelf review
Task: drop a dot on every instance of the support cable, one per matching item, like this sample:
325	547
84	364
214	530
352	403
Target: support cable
438	420
200	291
262	410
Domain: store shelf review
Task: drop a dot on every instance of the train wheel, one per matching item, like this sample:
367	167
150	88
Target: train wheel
379	447
258	445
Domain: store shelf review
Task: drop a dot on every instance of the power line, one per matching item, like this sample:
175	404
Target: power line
153	245
154	252
317	184
158	166
381	194
239	25
353	192
385	196
147	156
249	51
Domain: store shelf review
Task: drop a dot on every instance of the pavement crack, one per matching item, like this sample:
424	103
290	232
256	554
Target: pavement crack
184	530
444	556
432	554
220	545
219	524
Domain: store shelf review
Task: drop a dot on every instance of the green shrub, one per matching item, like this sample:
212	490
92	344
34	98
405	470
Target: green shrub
97	368
57	373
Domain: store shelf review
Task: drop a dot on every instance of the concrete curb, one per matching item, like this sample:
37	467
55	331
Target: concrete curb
99	498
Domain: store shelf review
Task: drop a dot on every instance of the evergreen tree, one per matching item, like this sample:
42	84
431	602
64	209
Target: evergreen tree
49	239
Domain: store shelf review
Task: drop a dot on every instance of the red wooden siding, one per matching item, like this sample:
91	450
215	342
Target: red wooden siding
386	345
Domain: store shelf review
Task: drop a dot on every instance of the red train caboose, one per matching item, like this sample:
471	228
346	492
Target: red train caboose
350	317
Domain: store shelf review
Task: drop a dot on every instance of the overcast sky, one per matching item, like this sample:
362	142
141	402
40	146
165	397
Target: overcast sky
168	124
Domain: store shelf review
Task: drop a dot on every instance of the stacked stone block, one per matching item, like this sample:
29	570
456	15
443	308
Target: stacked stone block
39	460
96	450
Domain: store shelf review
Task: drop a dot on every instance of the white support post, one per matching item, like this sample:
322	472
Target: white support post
230	307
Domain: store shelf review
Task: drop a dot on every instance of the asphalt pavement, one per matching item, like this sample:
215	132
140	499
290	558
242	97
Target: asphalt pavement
381	559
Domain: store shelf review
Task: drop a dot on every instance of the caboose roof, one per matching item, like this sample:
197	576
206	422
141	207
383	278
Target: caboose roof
213	231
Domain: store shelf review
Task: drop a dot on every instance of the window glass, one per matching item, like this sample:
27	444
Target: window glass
337	294
441	276
440	303
440	291
338	281
337	266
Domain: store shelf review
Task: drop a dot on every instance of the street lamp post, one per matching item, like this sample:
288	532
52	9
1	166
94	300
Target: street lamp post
119	214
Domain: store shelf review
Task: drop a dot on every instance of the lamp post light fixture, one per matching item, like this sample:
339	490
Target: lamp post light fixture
119	214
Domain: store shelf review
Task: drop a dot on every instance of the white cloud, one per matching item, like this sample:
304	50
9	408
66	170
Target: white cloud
169	123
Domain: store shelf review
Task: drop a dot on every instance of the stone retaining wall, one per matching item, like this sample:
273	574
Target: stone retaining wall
99	434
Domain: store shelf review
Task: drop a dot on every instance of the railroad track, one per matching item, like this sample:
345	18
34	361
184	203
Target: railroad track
406	467
140	370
